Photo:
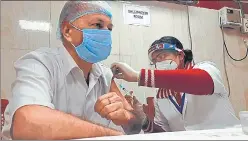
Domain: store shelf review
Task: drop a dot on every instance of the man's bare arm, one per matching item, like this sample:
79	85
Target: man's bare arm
39	122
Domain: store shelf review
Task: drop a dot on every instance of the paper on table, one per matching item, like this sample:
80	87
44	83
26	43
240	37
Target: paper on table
234	133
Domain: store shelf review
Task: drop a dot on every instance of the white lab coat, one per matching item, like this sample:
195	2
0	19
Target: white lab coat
199	112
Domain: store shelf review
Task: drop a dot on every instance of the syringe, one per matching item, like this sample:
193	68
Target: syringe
126	91
130	93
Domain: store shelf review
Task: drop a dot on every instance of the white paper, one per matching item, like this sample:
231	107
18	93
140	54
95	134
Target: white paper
136	15
234	133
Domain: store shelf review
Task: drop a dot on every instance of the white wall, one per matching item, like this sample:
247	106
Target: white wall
130	43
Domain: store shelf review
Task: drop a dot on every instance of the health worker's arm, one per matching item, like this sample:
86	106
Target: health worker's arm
134	125
203	79
32	114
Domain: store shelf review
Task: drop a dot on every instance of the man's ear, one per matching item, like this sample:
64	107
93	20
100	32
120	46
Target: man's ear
66	31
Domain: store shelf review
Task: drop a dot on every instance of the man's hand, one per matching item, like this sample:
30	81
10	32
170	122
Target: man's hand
111	106
125	72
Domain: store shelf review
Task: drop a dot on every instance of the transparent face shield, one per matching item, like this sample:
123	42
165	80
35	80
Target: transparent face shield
163	61
163	48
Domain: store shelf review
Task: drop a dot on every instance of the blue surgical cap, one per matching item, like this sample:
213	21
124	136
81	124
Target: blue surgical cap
73	10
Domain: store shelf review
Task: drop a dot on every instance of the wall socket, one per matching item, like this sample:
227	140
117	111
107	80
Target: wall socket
245	26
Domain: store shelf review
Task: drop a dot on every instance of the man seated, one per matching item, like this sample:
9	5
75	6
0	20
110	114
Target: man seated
65	93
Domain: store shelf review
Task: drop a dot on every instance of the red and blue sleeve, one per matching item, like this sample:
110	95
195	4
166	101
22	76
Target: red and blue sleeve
193	81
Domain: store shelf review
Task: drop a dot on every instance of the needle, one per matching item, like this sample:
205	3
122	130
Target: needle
127	92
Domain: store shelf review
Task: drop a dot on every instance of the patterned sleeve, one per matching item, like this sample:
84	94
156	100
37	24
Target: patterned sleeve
199	81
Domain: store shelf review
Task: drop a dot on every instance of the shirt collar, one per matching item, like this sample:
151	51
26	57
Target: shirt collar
97	69
67	60
69	64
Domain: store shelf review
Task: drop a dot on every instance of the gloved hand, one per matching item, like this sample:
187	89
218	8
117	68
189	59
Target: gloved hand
138	108
125	72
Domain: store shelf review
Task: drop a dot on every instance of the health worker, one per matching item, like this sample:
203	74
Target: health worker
190	96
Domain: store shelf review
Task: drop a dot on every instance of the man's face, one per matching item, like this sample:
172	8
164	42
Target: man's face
91	21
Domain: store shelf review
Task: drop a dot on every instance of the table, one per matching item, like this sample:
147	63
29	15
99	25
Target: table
234	133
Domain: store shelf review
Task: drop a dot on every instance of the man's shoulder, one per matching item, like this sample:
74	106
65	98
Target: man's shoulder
106	71
102	66
46	56
45	52
42	52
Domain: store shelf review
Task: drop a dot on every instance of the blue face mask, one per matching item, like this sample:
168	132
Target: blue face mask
96	45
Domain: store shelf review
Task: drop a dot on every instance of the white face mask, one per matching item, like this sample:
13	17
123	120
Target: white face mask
166	65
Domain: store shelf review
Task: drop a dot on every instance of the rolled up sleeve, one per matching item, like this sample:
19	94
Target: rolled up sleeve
32	86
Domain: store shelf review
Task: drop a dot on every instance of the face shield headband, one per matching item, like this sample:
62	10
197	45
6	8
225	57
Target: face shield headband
162	46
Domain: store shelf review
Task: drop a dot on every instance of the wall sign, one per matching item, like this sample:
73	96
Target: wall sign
136	15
